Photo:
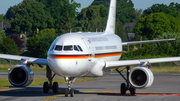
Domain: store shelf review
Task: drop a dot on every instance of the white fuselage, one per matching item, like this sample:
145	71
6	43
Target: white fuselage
66	58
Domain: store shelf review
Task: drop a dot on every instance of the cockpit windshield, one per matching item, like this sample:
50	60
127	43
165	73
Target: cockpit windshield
58	47
68	48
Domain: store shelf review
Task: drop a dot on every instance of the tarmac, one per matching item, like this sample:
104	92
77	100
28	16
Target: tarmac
166	87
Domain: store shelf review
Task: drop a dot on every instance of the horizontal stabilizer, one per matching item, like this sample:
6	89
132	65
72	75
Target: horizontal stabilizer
148	41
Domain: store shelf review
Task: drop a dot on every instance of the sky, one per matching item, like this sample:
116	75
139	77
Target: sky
138	4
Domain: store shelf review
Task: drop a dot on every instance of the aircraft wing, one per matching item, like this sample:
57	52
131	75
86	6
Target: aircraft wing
30	59
148	41
122	63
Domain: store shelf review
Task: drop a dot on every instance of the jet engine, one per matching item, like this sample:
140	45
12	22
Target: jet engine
20	75
141	77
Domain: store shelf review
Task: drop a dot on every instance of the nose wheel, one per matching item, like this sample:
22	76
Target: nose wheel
69	90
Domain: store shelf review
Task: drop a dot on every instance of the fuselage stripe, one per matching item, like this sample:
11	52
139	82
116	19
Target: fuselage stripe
69	56
84	56
107	55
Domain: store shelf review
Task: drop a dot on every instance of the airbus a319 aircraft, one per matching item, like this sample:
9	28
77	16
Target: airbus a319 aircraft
91	54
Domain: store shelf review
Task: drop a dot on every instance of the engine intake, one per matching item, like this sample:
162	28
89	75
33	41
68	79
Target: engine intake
141	77
20	75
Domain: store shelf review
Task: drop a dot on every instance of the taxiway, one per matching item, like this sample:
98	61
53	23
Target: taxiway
166	87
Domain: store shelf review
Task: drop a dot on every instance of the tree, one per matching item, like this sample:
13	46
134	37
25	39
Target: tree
101	2
156	24
11	49
172	9
2	35
92	18
170	48
63	13
125	11
138	15
45	31
158	49
1	18
29	15
38	45
11	12
17	40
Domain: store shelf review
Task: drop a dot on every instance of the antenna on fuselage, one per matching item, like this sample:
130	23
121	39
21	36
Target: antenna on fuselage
70	30
96	30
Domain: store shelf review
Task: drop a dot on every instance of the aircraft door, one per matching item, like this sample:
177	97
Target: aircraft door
89	48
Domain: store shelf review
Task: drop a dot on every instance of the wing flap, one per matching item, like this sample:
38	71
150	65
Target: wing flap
30	59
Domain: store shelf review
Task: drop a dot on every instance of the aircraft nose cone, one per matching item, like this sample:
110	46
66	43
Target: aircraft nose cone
68	67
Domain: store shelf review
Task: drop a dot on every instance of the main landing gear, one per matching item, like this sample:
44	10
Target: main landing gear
69	90
46	85
124	87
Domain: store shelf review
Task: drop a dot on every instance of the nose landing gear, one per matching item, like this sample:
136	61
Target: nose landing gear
69	90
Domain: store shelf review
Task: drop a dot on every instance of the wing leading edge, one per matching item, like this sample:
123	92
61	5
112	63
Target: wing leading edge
118	64
29	59
148	41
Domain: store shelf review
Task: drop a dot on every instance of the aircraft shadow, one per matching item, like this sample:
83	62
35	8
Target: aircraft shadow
38	91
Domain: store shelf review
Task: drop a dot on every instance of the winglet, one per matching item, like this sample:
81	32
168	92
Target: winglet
110	26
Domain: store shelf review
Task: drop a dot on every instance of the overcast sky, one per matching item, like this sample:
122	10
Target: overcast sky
138	4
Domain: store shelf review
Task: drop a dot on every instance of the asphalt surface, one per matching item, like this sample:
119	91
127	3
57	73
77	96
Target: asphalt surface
166	87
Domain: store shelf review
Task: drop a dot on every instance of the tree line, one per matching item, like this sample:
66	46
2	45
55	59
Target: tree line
56	17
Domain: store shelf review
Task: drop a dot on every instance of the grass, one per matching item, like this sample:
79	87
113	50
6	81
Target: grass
166	69
39	81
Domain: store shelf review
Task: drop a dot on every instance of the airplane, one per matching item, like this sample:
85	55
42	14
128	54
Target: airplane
87	54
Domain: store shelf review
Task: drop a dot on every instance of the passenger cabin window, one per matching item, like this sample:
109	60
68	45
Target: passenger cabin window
68	48
58	47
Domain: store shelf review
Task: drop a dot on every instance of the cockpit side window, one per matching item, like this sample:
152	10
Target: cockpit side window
52	46
79	48
75	48
68	48
58	47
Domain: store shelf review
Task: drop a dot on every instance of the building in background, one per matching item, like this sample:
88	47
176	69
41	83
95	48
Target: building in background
127	26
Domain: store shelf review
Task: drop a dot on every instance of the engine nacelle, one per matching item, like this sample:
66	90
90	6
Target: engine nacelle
141	77
20	75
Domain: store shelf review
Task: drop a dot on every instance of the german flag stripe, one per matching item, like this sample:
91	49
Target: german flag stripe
84	56
69	56
107	55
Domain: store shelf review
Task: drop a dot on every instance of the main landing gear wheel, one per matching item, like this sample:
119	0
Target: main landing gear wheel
45	87
55	87
132	91
123	89
127	86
